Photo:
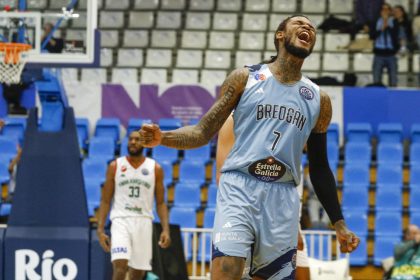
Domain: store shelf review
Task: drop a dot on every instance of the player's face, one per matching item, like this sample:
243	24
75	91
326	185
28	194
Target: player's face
134	147
299	37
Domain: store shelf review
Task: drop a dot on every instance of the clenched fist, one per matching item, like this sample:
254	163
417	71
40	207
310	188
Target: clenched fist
150	135
347	239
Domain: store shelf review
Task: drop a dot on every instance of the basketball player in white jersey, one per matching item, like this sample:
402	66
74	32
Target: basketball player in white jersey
132	183
277	111
225	141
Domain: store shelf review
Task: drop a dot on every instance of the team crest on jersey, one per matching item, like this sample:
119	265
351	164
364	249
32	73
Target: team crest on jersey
267	169
259	77
145	172
123	168
306	93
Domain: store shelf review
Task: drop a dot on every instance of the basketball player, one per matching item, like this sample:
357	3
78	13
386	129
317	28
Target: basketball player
225	141
277	111
132	182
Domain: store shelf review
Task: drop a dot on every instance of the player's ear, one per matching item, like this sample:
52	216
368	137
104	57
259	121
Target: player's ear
279	35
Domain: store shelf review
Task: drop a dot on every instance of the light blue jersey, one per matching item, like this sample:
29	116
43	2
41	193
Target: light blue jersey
272	123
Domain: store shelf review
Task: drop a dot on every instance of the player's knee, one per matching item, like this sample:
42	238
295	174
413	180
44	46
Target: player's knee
120	267
137	274
231	266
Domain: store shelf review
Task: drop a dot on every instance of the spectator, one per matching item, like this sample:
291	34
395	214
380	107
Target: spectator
407	256
13	171
386	46
55	45
416	26
367	13
405	29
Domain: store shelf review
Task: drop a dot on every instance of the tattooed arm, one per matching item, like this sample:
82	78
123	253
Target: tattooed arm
323	179
189	137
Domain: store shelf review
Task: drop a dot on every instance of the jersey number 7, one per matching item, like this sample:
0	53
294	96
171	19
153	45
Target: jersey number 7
278	135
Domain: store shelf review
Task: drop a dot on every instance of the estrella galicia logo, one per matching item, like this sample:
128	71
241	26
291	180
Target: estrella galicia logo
259	77
306	93
145	172
267	169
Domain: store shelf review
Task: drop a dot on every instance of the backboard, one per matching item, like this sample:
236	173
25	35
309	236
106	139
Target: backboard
62	33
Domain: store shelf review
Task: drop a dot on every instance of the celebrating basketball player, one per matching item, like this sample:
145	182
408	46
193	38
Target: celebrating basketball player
132	182
225	142
276	111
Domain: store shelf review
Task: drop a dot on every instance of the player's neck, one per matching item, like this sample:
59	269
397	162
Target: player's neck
135	159
286	69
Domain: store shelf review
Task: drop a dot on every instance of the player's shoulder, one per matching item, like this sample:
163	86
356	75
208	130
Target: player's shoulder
308	82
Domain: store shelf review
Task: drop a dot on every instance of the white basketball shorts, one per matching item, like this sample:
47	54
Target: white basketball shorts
131	239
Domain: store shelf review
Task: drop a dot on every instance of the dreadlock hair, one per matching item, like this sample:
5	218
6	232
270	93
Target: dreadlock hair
281	27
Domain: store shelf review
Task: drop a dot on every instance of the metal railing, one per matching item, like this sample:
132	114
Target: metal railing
196	237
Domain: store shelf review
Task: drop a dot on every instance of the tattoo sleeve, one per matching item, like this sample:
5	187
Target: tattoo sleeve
325	114
189	137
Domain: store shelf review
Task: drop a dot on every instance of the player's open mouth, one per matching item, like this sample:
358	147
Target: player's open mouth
304	37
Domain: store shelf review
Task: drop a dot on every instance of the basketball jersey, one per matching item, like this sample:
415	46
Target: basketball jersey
134	189
272	123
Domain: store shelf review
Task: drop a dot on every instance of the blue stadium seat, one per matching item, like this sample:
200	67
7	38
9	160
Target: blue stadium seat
414	197
209	217
198	154
415	154
94	169
359	257
304	160
82	125
356	175
5	209
136	124
357	221
358	153
415	174
389	176
8	147
15	127
192	172
415	133
390	133
167	172
207	245
102	148
213	173
388	199
169	124
93	196
388	224
183	216
4	172
333	152
415	218
384	248
355	199
314	248
124	147
108	127
333	134
390	153
162	153
211	195
187	195
359	132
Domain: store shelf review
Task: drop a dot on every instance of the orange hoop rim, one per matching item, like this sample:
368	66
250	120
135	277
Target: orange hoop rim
12	51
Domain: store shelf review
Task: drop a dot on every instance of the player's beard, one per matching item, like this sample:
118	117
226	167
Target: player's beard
137	153
296	51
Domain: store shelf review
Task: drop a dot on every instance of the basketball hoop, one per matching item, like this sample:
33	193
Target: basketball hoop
12	61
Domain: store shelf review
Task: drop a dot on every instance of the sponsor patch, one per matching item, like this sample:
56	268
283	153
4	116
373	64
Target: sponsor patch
259	77
145	172
306	93
123	168
267	170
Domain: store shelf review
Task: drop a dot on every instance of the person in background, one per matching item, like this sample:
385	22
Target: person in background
55	45
367	13
416	27
386	46
405	29
407	256
13	171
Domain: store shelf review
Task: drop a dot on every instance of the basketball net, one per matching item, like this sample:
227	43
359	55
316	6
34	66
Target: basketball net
12	61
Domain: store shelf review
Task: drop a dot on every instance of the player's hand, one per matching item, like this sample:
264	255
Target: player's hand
347	239
165	239
150	135
104	241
